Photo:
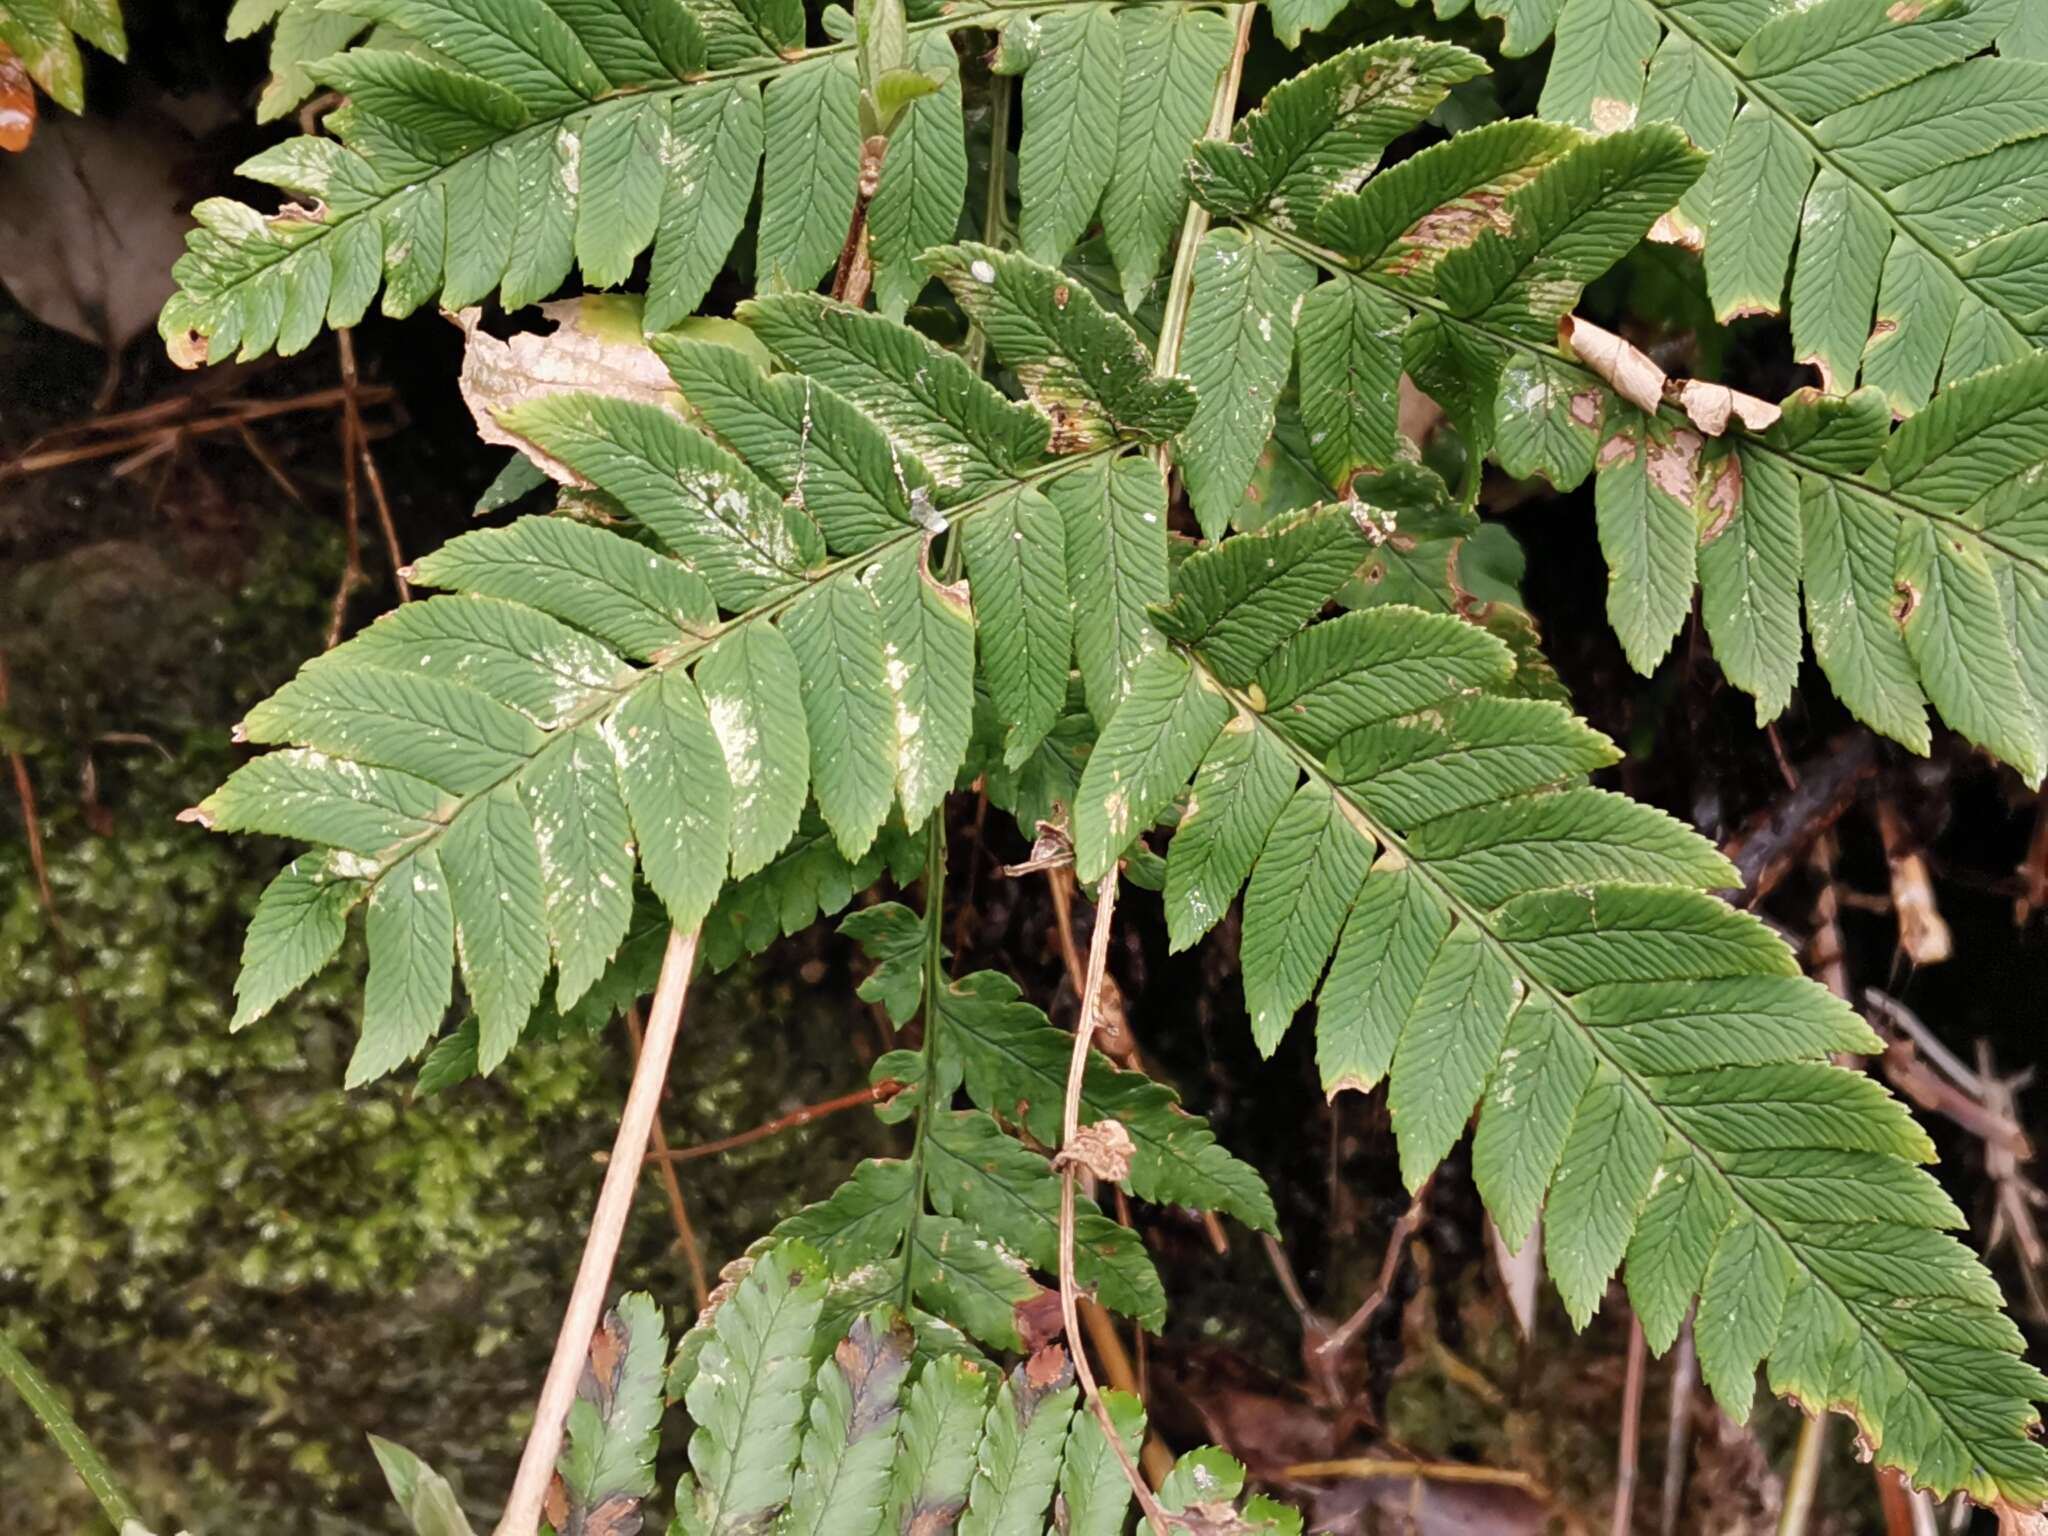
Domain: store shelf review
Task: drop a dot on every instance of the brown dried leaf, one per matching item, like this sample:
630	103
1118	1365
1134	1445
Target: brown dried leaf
1712	405
1104	1149
1626	367
17	103
1038	1320
595	348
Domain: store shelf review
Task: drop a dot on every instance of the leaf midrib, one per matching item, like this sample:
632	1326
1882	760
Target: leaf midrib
1466	913
314	234
1893	500
769	610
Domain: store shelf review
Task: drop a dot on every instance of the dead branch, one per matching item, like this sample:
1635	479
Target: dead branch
607	1225
1069	1167
879	1093
1631	1430
678	1210
1390	1266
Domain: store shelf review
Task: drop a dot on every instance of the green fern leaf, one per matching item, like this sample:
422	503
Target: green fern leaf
979	1174
40	33
297	928
409	927
925	398
837	637
747	1394
1017	565
1150	746
1078	363
1115	513
941	1424
1015	1065
1300	895
812	171
1349	345
1093	1490
1072	100
1323	132
1172	58
1239	348
1019	1460
842	1481
1885	143
923	183
1244	783
1647	1062
607	1466
715	141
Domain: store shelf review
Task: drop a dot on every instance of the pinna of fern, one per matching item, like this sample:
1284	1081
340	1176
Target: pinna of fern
1921	553
802	1425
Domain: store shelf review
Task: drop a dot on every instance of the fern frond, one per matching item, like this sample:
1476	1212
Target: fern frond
993	1201
495	150
1890	146
1646	1064
963	1446
1472	252
490	766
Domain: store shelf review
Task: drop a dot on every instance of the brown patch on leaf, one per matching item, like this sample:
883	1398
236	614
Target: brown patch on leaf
1585	407
17	103
874	1362
1048	1369
1038	1320
1104	1149
933	1519
1907	599
1455	225
1621	364
618	1515
1724	498
1882	329
1712	406
554	1504
607	1358
1905	11
1675	464
1674	228
189	347
1618	449
594	349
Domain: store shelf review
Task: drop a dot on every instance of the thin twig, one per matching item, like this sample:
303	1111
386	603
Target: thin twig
878	1093
228	419
359	441
607	1226
48	1407
1685	1371
1070	1171
1341	1336
1804	1479
38	862
1369	1468
678	1211
1631	1430
1181	286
